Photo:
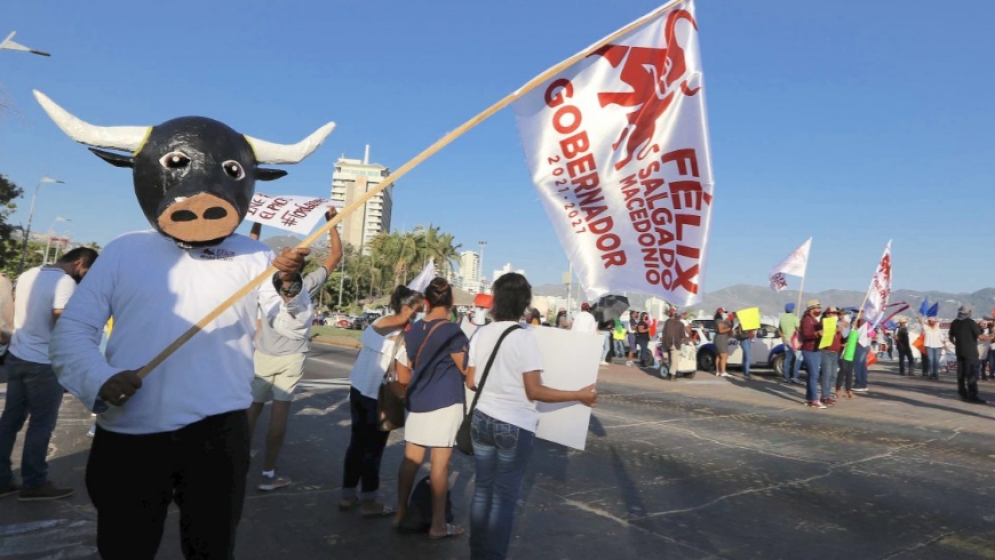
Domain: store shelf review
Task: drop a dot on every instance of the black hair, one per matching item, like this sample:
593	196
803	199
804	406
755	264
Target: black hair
512	295
439	293
402	296
86	254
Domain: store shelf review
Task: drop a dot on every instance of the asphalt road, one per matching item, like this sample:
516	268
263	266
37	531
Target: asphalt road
695	469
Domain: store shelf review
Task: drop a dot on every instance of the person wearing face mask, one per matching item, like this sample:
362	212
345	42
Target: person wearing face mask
33	390
383	342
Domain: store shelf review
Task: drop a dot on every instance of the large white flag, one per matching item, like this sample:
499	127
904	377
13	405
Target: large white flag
794	265
880	290
617	146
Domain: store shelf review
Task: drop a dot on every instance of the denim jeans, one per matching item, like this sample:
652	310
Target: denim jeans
813	361
830	367
606	346
32	390
619	348
905	354
501	452
798	365
934	361
860	367
747	346
788	364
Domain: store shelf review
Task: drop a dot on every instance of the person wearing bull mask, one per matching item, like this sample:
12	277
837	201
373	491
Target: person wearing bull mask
181	434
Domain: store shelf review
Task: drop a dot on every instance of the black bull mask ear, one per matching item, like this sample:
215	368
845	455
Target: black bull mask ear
193	176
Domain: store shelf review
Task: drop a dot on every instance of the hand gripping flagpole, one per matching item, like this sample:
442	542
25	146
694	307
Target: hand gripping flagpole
403	170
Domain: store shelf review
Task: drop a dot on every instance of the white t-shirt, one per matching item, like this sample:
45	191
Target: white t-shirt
374	359
585	323
504	395
933	337
156	292
40	291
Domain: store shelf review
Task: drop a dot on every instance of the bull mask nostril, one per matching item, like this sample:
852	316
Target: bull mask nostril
215	213
183	216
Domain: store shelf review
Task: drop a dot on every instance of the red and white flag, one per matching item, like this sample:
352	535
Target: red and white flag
794	265
617	146
880	290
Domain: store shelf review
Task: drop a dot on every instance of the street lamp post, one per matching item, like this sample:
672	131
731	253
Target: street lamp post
31	214
480	266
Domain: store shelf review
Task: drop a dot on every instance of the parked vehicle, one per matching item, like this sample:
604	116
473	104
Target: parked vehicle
768	351
364	319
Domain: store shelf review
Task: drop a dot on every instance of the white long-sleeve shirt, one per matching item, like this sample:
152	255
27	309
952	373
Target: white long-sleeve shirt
156	291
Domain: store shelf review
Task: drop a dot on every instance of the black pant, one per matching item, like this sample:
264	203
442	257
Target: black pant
925	364
903	354
967	377
202	467
362	458
845	377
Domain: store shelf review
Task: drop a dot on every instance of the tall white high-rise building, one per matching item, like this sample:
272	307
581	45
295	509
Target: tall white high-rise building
469	270
352	179
507	268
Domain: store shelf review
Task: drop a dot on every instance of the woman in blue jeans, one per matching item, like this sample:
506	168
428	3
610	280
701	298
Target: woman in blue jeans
505	420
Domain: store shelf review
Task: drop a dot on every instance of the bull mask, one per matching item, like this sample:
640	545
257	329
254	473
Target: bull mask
194	177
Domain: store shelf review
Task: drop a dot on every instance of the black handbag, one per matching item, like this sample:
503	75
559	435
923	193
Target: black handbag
464	441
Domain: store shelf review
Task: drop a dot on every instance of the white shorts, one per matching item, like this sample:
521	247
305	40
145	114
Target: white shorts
276	376
434	429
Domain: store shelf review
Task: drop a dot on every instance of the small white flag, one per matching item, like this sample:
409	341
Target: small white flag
880	290
424	277
794	264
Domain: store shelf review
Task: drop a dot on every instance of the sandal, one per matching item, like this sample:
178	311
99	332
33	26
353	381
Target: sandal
452	531
348	504
380	511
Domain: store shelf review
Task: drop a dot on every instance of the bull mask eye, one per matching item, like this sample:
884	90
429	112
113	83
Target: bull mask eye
233	169
174	160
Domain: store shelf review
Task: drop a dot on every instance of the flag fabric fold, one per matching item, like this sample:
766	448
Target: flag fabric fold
880	290
924	308
424	277
794	264
617	146
934	311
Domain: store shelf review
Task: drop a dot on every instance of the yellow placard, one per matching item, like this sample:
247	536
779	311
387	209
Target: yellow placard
749	318
828	332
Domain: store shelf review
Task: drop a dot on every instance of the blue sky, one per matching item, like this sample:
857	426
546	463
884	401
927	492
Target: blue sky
851	122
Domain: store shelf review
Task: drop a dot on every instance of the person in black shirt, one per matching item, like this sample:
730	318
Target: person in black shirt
965	333
904	347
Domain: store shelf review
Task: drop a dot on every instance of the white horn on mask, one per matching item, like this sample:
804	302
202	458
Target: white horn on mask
268	152
125	138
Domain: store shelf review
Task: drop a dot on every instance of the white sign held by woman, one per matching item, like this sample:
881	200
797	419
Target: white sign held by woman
570	361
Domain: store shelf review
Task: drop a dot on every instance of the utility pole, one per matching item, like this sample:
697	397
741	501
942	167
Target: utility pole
480	267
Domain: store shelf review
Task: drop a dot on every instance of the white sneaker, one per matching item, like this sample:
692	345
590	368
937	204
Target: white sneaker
629	363
725	374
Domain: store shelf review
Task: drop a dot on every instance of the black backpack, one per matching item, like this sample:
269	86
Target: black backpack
418	518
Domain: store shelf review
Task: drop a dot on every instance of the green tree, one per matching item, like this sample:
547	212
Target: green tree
9	249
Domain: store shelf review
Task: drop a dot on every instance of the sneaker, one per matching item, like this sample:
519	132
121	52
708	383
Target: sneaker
629	363
797	381
11	488
274	482
829	401
725	374
975	400
815	404
44	492
92	431
861	390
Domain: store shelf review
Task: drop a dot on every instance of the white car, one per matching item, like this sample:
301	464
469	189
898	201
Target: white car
767	350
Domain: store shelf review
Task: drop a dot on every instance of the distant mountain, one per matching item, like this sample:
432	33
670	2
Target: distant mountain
279	241
771	303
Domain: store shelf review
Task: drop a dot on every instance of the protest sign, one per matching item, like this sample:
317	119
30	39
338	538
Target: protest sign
570	362
749	318
828	332
298	214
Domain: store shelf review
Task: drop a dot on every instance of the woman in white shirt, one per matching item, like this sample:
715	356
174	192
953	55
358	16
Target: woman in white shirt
933	340
505	420
382	343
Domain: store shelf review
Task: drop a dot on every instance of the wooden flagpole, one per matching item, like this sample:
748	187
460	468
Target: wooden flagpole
403	170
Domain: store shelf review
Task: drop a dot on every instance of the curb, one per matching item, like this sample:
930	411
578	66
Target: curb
340	341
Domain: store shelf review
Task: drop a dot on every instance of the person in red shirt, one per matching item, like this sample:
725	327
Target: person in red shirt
809	334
